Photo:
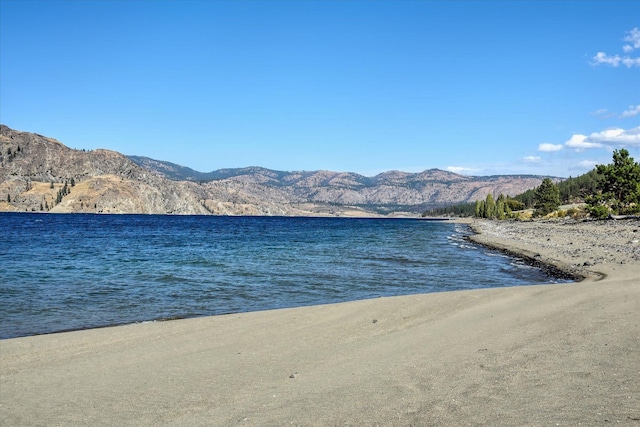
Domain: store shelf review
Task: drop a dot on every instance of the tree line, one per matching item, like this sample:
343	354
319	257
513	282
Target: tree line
612	189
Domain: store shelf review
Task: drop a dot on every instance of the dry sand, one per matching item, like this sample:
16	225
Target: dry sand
565	354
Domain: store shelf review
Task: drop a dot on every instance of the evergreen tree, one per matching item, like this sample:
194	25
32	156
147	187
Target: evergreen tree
547	198
574	190
619	189
527	198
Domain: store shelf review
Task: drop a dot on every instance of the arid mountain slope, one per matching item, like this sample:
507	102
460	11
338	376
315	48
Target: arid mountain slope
34	170
38	173
391	190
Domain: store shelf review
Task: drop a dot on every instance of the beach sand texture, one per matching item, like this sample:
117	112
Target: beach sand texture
566	354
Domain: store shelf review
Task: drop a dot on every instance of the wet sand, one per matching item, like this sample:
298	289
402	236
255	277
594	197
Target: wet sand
566	354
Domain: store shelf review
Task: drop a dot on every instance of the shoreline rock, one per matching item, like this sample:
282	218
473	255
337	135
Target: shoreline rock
578	249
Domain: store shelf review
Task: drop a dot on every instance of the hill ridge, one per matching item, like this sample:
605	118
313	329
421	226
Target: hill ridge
34	169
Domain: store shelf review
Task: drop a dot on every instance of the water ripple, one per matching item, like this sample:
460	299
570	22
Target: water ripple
71	271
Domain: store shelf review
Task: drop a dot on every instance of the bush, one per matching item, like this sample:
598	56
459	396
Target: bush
577	213
599	211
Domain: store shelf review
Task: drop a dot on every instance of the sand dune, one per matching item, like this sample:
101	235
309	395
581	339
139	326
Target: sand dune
566	354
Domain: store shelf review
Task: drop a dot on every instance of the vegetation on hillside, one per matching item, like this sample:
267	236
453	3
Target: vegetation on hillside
572	190
607	189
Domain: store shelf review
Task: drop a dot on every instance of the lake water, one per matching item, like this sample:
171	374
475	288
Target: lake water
75	271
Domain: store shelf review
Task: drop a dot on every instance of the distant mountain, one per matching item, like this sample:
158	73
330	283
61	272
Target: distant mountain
385	192
38	173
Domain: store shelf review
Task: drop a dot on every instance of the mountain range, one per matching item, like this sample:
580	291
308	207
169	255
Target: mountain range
38	173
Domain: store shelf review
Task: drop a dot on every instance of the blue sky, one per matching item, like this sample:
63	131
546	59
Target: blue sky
480	88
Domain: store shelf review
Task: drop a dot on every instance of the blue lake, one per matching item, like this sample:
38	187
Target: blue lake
75	271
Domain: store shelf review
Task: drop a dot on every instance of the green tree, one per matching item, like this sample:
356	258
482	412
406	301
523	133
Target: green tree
619	188
527	198
479	208
546	197
502	209
489	207
514	205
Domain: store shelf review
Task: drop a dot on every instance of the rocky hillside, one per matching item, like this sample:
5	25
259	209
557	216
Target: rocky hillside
38	173
387	191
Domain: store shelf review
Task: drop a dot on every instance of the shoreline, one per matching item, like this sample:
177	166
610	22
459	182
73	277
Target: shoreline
553	268
563	354
580	249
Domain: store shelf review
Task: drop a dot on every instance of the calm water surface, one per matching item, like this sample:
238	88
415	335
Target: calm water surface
77	271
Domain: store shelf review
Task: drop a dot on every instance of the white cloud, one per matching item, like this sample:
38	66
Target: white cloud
460	169
631	112
608	137
617	136
631	62
603	58
603	113
580	142
531	159
634	39
615	60
546	147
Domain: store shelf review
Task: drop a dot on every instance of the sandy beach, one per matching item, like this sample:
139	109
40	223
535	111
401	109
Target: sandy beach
565	354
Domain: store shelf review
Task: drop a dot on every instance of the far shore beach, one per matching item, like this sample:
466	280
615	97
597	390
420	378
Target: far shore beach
560	354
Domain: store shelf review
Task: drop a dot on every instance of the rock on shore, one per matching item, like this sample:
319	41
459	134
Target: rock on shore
582	248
